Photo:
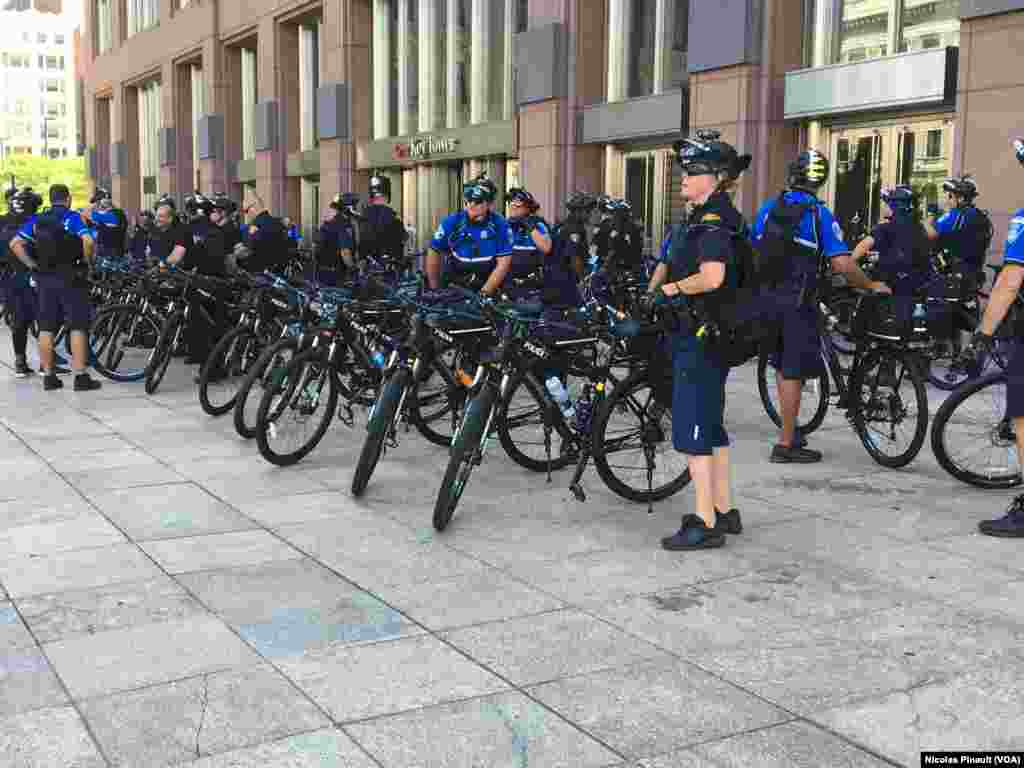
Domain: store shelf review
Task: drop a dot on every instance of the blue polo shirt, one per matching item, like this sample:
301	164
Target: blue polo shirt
72	223
473	246
1014	253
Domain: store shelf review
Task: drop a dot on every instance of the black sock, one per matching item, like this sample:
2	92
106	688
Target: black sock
19	339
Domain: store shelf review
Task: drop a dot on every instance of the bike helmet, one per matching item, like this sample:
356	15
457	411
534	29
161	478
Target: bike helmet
379	185
345	201
580	201
198	204
165	199
25	200
809	171
100	194
520	195
707	154
490	186
964	187
1018	150
478	192
224	203
901	199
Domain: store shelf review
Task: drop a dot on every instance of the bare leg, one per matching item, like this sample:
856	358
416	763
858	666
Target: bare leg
46	351
790	391
1018	428
432	266
702	475
720	474
79	350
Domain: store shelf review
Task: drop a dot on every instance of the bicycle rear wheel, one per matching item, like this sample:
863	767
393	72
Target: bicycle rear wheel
295	413
525	409
889	406
122	340
465	454
813	403
972	438
633	452
439	400
269	368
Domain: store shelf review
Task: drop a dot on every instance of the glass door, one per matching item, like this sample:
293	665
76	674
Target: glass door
858	180
640	191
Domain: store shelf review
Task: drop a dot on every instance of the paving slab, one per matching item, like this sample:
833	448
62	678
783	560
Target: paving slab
84	531
218	550
47	738
203	715
308	750
355	683
80	569
123	477
27	682
537	649
13	632
651	708
124	659
168	511
503	731
74	613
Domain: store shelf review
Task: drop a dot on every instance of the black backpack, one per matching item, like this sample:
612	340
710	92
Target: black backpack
55	247
382	234
620	242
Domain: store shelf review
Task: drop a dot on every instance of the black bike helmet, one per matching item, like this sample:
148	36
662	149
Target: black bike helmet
198	204
224	203
707	154
809	171
901	199
25	200
520	195
345	201
580	201
100	194
379	185
1018	150
478	192
490	186
964	187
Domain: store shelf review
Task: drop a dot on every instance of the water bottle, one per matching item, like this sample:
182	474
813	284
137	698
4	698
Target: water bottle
378	358
919	312
561	397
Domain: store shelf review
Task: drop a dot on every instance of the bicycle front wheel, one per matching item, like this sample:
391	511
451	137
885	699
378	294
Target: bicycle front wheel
889	406
163	351
632	442
973	439
294	415
122	340
268	371
384	410
225	369
465	454
526	410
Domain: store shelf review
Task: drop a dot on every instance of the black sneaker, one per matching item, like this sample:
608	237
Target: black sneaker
86	383
729	522
782	454
1010	525
22	369
694	534
51	382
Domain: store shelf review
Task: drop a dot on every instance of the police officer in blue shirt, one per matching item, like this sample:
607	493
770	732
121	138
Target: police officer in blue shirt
531	238
704	263
475	244
1004	293
965	230
109	224
21	298
63	292
820	239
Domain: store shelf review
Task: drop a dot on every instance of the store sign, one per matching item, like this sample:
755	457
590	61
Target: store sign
425	147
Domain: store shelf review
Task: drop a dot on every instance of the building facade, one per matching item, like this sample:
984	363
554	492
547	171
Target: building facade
300	100
38	89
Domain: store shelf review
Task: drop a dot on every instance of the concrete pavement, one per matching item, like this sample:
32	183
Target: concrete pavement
168	598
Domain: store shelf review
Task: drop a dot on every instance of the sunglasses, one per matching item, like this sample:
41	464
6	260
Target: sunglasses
697	169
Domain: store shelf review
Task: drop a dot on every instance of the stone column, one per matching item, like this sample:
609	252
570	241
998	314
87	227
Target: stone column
124	149
480	90
381	68
427	41
665	15
619	17
168	176
406	120
432	202
453	117
270	155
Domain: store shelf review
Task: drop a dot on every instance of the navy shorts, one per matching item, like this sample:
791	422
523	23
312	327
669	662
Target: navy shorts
22	299
698	399
62	299
1015	383
799	353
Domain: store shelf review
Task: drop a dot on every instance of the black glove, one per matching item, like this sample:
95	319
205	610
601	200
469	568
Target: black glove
646	302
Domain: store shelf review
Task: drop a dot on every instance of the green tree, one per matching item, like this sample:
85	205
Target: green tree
40	172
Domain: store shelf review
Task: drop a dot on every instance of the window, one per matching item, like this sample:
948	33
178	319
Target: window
142	14
641	59
677	72
104	26
929	24
54	62
522	15
149	129
198	110
863	25
41	38
58	39
934	148
869	29
248	103
463	60
309	81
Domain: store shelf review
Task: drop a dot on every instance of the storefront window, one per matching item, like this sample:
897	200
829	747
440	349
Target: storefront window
640	189
864	29
522	14
641	59
930	24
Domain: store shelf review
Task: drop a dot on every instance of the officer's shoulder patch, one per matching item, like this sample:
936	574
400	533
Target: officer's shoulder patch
1016	229
483	234
710	218
440	233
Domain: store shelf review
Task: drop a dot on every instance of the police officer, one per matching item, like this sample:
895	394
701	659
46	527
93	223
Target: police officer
21	298
109	223
531	238
335	241
52	244
381	232
964	229
138	245
618	242
573	229
1004	293
818	238
221	217
703	263
167	238
266	239
475	242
